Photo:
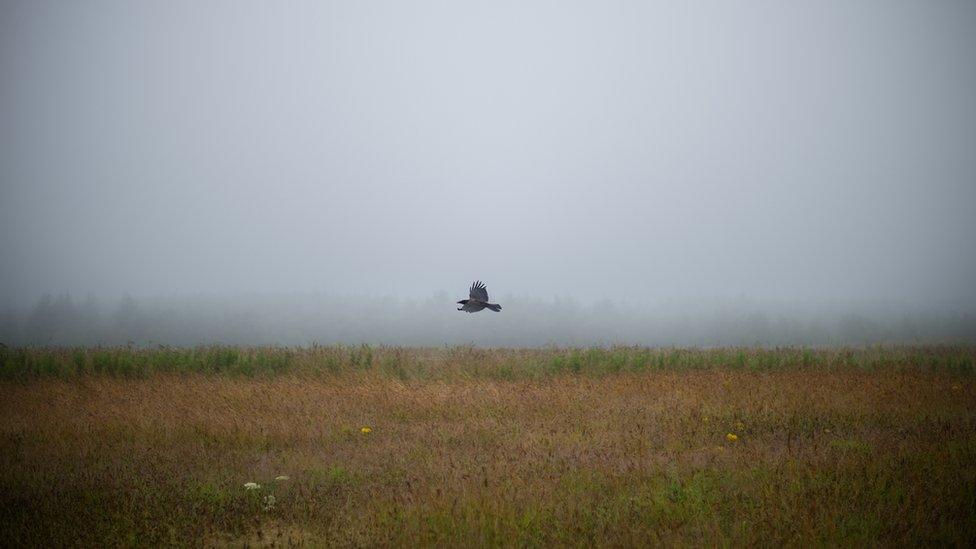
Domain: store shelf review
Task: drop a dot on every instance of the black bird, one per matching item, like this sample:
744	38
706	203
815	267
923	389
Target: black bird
478	299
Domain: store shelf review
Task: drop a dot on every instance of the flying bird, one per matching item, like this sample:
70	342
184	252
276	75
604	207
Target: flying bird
477	299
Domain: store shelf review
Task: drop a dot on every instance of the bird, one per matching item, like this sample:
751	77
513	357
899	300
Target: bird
477	299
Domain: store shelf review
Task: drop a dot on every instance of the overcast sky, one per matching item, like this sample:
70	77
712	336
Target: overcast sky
797	151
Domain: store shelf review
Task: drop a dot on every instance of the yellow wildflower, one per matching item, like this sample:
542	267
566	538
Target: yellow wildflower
365	430
731	437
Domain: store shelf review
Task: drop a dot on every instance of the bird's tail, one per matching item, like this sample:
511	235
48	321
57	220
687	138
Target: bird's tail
493	306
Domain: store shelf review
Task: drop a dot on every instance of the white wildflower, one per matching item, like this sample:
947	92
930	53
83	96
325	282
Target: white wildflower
281	478
252	485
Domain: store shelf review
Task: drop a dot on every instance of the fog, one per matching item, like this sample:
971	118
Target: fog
660	173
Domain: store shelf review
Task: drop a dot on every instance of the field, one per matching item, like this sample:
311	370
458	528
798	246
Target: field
464	446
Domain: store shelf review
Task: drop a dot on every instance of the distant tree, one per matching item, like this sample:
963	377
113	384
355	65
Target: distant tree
41	323
90	329
10	327
128	322
857	329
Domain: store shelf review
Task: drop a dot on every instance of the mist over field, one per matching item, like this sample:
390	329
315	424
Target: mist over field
525	321
660	173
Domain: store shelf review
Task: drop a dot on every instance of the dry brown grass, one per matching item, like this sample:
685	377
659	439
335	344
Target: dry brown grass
836	457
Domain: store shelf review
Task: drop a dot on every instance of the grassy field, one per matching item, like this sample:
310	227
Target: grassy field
463	446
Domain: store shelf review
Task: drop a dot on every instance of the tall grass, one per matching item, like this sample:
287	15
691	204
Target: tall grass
22	363
475	447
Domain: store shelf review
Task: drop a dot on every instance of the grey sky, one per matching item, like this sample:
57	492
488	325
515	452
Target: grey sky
792	151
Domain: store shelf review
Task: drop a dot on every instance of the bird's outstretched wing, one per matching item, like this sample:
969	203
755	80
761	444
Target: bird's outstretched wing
478	291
